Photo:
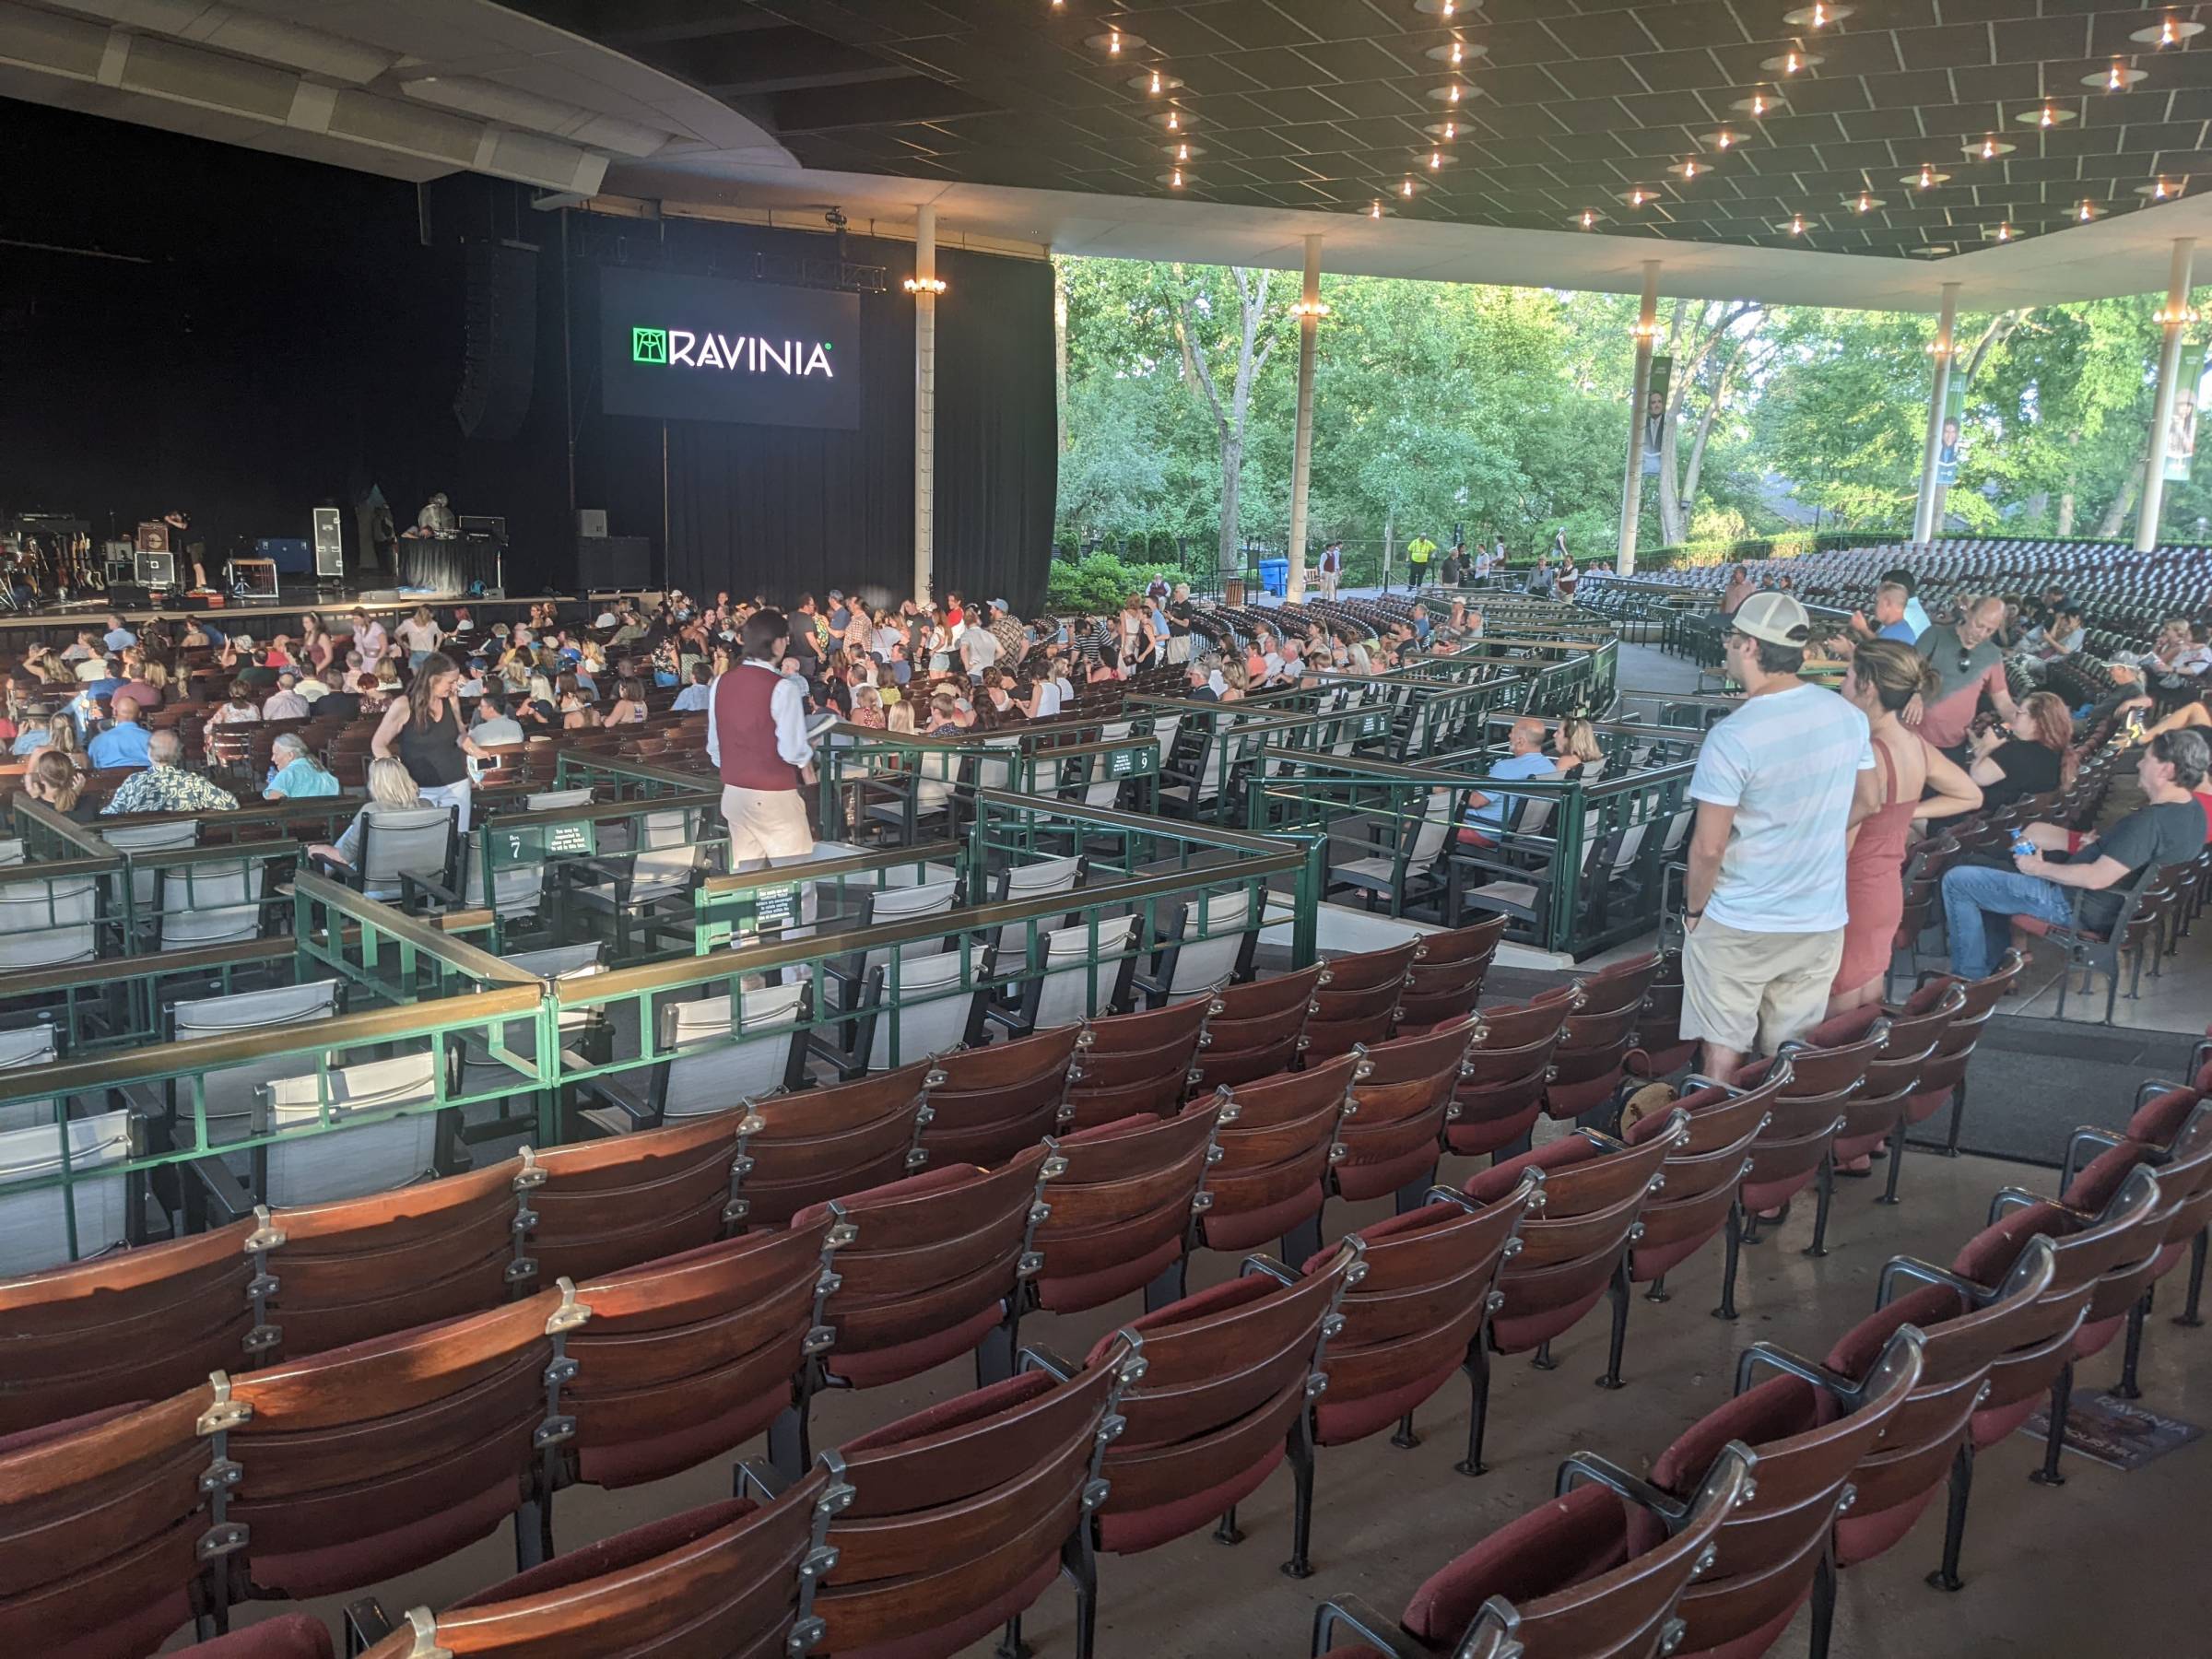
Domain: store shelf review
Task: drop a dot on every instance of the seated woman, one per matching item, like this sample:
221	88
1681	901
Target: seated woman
388	785
2028	755
294	773
241	709
1575	748
2189	714
575	715
52	779
629	707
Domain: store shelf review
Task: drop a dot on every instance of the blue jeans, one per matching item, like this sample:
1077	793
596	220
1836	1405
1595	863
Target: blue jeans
1979	905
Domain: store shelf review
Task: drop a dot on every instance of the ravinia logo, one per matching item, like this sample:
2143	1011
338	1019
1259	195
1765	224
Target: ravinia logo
680	348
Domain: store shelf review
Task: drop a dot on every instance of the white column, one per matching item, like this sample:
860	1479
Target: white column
2173	319
1923	508
1302	451
925	397
1631	488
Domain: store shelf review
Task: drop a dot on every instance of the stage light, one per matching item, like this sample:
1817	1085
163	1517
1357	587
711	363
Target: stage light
925	285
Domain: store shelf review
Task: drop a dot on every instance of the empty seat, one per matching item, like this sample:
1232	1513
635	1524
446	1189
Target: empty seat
1207	942
1359	999
1503	1084
1278	1140
1703	1181
1137	1062
987	1104
1402	1097
1124	1208
716	1059
45	1223
224	1097
348	1130
1447	973
1257	1028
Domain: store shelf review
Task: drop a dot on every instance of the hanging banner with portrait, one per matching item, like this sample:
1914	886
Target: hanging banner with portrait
2188	398
1947	445
1654	412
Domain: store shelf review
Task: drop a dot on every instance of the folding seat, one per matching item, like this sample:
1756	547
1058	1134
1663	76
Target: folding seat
1402	1097
1136	1064
1205	943
1359	999
103	1519
2037	1369
1601	1029
1227	1374
1257	1028
727	1578
988	1104
291	1636
1124	1208
1660	1046
1506	1071
1420	1312
1703	1179
1878	1111
1796	1149
929	1268
915	1006
1561	1582
1082	971
1942	1079
691	1355
1278	1141
1574	1251
1447	973
721	1049
347	1468
1809	1431
1406	868
131	1325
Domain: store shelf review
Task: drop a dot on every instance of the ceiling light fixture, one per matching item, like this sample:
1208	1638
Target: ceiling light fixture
1794	225
1156	87
924	285
1795	61
2118	78
1760	104
2086	211
2159	190
1374	208
2045	116
2170	31
1316	308
1722	140
1689	169
1927	178
1587	219
1820	15
1986	149
1114	44
1175	180
1436	159
1406	189
1639	196
1864	202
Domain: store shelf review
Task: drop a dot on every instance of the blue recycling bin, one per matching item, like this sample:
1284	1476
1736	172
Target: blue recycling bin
1275	576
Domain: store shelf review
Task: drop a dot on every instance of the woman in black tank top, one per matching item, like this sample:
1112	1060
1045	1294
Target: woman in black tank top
423	730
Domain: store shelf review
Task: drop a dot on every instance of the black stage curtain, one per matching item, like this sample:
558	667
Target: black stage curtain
445	566
781	509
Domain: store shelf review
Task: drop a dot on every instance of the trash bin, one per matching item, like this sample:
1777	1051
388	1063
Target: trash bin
1275	576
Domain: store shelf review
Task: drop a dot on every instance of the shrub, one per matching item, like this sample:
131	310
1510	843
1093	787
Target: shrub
1098	583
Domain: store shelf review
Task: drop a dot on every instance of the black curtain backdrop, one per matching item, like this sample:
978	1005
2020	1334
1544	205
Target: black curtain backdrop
275	336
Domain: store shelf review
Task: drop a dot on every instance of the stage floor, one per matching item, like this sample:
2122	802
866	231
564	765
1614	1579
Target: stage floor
66	618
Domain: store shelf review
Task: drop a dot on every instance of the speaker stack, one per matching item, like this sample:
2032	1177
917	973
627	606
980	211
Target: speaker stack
498	369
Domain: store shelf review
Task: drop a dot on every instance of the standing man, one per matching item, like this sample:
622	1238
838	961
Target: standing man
1777	788
1331	569
1419	552
1967	664
757	739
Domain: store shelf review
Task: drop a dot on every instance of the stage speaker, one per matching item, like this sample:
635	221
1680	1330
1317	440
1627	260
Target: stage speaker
129	595
591	521
153	537
613	561
330	543
499	368
155	570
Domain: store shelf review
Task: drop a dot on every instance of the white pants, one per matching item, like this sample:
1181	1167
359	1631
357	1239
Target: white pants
455	795
767	826
1328	585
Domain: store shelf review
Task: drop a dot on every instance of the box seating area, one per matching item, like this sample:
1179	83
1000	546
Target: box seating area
332	1248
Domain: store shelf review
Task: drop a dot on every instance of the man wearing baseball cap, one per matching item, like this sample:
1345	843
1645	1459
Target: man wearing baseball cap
1777	788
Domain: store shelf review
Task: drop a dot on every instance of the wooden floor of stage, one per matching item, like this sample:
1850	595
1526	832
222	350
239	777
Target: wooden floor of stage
82	613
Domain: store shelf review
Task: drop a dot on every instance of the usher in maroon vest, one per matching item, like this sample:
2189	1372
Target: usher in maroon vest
745	727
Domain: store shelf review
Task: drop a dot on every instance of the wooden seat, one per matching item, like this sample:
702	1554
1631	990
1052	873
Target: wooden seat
291	1636
959	1518
1420	1312
1792	1152
1358	999
691	1355
1704	1181
1574	1251
1228	1375
1137	1062
1447	973
1559	1582
1257	1028
1402	1097
1809	1430
1502	1087
1125	1209
1277	1139
987	1104
1942	1079
2183	1161
1601	1030
1881	1109
931	1269
727	1574
1660	1046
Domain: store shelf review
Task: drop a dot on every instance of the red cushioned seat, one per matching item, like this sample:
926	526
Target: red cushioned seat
617	1554
290	1636
1774	1411
1489	1186
2160	1119
1255	1228
1562	1544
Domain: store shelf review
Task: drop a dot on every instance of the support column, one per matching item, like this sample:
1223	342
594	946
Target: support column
1931	492
2173	319
1310	311
926	288
1631	488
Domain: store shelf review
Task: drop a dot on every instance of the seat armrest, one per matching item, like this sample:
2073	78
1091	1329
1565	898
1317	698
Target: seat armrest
1383	1634
2150	1088
1780	1360
1268	1266
1927	1273
367	1624
616	1090
1046	1361
751	1479
2087	1134
1587	1468
2009	1198
224	1189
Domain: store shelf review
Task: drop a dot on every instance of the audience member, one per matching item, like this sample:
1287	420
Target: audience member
692	699
2030	754
390	785
285	702
126	743
1776	784
294	772
165	785
54	780
1979	902
1967	664
1524	757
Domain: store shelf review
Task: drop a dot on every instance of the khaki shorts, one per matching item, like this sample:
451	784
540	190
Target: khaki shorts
1753	992
766	825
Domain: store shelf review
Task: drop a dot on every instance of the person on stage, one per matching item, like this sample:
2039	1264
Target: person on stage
757	740
436	519
424	730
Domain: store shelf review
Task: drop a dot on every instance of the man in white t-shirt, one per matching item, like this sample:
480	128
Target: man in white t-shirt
1776	788
979	650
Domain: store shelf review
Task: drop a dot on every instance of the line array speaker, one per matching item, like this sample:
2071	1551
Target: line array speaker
499	368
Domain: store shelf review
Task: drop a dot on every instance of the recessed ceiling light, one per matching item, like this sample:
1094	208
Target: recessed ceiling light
1792	226
1760	104
1454	94
2044	116
2171	32
1115	43
1445	130
1927	178
1986	149
1722	140
1589	218
1793	62
1820	15
2118	78
1641	196
1864	202
1458	53
2161	190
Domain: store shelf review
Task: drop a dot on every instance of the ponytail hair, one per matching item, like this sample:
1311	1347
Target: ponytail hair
1894	672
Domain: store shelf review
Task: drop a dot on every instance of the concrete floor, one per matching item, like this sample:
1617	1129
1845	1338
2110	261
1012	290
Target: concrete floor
1388	1517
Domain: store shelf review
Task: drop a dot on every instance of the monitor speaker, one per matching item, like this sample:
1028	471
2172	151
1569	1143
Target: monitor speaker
499	368
154	569
591	521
